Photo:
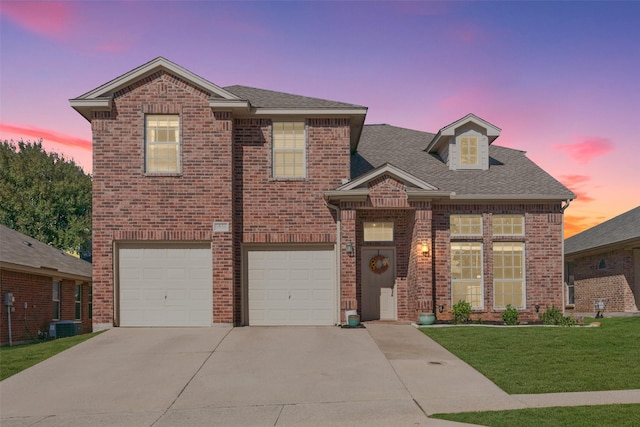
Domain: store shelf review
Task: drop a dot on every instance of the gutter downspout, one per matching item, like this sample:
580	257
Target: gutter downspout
338	257
563	208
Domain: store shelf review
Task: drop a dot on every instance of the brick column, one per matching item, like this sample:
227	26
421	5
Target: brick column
421	282
348	298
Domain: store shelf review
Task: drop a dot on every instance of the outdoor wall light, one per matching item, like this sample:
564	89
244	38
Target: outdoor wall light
441	308
537	308
349	248
425	249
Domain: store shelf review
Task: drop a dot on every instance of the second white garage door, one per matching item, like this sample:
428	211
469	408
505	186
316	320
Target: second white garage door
168	285
292	286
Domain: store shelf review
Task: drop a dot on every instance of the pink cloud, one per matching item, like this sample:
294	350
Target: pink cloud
45	18
587	148
34	132
575	183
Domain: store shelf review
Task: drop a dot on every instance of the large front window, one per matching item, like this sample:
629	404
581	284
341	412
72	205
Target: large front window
288	149
162	144
508	274
466	273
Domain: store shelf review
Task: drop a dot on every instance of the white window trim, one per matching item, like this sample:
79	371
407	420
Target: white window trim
274	150
179	143
524	280
477	308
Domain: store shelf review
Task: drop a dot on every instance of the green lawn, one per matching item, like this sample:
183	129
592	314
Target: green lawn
576	416
550	359
20	357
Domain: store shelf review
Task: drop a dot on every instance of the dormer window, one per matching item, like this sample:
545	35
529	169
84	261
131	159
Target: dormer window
468	151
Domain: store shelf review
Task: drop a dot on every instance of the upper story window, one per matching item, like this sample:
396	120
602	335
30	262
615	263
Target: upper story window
378	231
162	143
508	225
289	149
468	151
466	225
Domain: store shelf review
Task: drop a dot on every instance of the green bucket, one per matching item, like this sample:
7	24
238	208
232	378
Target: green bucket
354	320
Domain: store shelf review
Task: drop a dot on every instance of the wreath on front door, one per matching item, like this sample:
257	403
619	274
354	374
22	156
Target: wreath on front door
379	264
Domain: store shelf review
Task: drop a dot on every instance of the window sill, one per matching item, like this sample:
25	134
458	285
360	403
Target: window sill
163	174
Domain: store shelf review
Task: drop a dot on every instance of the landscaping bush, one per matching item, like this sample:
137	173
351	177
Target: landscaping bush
510	315
461	312
553	316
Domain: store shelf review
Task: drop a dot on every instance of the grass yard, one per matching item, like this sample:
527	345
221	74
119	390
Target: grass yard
550	359
20	357
576	416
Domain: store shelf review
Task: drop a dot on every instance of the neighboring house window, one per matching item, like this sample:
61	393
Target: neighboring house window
508	274
162	144
466	273
468	150
78	299
570	284
508	225
288	149
90	305
378	231
56	300
466	225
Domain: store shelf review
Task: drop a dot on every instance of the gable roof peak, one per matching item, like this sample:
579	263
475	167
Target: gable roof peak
100	98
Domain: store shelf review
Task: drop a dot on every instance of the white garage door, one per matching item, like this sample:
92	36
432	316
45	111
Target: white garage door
165	285
292	287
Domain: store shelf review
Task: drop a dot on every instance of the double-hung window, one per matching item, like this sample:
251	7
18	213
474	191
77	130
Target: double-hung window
162	143
466	225
56	300
90	304
78	300
289	149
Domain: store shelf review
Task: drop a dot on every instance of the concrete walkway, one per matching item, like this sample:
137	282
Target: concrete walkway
291	376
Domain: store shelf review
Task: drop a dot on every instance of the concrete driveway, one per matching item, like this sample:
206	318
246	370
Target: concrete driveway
253	376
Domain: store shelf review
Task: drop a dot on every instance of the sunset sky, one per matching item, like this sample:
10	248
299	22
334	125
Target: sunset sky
562	79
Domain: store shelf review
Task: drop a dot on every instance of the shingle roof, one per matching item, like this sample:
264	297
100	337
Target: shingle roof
623	228
510	172
263	98
20	250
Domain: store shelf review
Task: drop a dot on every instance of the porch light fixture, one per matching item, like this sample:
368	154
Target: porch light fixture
425	249
537	308
349	248
440	308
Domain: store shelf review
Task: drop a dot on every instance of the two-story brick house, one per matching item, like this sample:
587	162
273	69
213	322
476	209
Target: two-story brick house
246	206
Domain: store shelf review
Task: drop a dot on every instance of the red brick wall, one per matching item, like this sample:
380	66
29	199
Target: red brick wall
127	205
614	282
543	256
36	291
288	210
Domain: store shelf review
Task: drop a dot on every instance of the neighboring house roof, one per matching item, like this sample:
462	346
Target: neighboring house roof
511	174
19	252
621	230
